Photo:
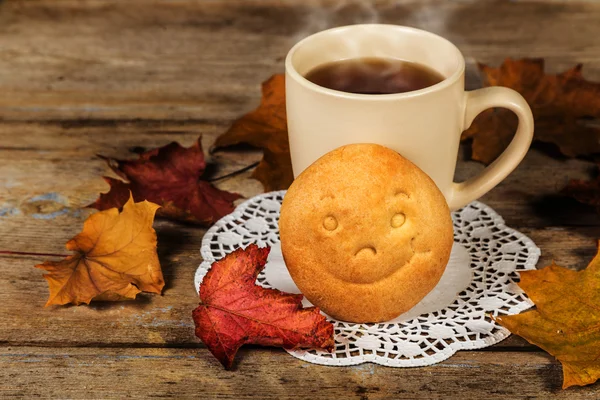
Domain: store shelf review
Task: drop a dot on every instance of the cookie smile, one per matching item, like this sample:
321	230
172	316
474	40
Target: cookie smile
366	249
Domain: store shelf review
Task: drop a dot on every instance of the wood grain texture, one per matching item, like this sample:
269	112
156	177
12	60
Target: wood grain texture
205	59
50	171
86	77
266	374
164	321
38	158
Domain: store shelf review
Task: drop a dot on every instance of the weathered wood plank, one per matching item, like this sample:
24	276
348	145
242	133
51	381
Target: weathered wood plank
204	59
100	76
261	373
40	158
50	171
37	159
162	320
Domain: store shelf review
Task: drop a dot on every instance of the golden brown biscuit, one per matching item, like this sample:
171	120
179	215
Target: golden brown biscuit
365	233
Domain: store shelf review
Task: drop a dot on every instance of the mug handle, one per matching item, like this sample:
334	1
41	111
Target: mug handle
476	102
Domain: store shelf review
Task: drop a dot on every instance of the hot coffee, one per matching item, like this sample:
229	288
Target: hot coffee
374	76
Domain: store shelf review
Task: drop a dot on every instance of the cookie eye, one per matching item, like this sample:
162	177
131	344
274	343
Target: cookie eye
330	223
398	220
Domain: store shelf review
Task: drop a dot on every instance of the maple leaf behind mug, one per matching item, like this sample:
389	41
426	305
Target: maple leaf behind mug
558	102
170	176
265	128
234	311
116	258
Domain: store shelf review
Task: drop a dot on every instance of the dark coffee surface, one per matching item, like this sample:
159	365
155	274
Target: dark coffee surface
374	76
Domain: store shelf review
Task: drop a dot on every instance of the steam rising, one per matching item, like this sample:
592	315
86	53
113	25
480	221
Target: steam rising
321	15
341	12
348	12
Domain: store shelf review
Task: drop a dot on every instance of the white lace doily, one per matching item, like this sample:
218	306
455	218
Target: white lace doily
480	280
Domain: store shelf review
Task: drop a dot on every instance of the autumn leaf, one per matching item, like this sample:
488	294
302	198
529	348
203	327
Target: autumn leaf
566	320
170	176
115	258
265	128
234	311
561	105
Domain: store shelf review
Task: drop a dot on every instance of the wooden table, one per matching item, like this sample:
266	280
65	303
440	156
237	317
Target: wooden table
80	78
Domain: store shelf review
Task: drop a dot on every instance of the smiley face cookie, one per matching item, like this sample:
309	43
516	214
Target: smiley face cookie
365	233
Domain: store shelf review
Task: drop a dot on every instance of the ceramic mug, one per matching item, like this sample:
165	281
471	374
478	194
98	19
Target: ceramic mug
423	125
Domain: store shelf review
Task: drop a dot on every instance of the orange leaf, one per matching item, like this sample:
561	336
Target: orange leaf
561	105
566	321
234	311
115	260
265	128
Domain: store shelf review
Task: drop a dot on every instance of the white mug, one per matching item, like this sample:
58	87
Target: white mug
423	125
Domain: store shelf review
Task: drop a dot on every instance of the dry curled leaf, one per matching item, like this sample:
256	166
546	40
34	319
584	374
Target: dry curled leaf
234	311
566	320
115	258
265	128
170	176
562	106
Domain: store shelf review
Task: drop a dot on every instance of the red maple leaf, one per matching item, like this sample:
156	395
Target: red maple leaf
234	311
170	176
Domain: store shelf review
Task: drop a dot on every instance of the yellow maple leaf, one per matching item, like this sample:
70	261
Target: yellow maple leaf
115	260
566	320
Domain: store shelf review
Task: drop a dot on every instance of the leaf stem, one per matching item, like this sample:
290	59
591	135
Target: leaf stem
239	171
24	253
